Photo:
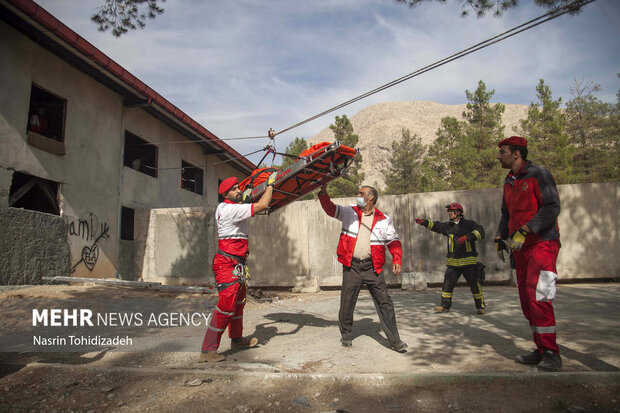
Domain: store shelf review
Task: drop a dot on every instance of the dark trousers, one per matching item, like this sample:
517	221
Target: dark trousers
470	272
353	278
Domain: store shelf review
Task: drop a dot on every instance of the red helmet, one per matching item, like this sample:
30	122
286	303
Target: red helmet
456	206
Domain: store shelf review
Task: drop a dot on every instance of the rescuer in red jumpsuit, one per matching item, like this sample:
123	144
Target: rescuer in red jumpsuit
530	208
229	266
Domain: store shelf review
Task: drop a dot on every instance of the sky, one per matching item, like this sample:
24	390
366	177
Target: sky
240	67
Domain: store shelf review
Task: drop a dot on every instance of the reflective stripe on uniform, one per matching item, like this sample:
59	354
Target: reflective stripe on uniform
349	233
219	330
477	234
467	246
459	262
234	236
446	294
237	317
430	224
223	312
543	330
450	244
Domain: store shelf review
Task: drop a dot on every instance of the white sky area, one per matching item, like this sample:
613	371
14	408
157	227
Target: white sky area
242	67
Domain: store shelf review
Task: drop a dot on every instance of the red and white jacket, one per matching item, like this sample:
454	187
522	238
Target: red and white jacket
232	226
382	234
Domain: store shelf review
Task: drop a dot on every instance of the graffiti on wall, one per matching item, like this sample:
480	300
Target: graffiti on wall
88	228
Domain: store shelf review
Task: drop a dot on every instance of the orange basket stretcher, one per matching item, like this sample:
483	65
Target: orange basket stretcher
314	167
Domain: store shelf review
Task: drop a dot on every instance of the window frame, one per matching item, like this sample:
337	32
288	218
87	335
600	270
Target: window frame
186	173
131	154
48	138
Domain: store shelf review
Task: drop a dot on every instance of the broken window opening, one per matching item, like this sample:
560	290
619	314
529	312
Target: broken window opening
191	177
46	115
34	193
140	155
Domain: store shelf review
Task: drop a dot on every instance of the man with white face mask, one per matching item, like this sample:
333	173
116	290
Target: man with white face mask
366	232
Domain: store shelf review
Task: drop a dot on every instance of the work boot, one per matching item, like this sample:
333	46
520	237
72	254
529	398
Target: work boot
440	309
480	311
550	361
345	342
533	358
400	347
211	357
243	342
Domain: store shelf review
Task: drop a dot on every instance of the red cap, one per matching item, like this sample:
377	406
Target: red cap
226	184
513	140
456	206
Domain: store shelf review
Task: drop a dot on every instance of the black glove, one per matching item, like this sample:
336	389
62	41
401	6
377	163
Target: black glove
500	247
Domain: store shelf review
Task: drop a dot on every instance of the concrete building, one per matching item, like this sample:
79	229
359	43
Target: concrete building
89	162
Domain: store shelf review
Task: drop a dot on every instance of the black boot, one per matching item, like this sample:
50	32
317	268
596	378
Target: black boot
533	358
550	361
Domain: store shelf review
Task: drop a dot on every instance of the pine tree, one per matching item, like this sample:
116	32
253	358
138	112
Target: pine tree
349	183
593	128
464	154
294	148
484	130
441	166
545	128
404	174
124	15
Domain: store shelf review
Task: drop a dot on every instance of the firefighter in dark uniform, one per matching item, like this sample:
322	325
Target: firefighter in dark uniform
462	256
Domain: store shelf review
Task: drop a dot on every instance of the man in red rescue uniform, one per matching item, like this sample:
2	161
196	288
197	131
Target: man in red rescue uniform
530	208
366	232
229	266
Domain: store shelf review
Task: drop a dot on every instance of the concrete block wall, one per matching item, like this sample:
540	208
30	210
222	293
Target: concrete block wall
32	245
300	240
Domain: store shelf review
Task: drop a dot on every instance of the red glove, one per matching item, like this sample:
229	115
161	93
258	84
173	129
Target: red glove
419	221
462	239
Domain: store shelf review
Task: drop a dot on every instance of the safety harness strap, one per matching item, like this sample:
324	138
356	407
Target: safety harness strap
234	257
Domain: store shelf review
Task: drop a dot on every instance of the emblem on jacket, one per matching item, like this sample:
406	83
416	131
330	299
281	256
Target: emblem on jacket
524	186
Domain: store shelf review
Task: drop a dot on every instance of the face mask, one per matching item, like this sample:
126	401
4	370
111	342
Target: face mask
360	201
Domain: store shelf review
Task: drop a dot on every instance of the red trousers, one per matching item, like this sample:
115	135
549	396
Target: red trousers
536	279
229	309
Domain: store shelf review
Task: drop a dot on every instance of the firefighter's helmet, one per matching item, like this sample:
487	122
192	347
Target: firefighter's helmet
455	206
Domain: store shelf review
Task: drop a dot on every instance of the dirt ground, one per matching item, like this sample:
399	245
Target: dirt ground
62	388
79	382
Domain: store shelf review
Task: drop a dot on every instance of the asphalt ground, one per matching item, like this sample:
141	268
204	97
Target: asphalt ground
299	347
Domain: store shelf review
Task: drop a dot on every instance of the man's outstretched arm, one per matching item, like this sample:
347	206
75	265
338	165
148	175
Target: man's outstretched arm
265	199
328	206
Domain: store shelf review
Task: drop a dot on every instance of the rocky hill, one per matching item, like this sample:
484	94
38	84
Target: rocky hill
378	125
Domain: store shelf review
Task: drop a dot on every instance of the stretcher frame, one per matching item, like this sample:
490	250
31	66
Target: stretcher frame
309	172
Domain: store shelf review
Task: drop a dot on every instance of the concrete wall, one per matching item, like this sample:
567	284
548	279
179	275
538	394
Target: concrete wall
300	240
179	246
32	245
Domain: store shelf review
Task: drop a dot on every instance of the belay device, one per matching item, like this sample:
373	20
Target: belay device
314	167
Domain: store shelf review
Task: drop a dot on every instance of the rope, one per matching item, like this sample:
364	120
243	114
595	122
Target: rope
197	167
224	139
553	14
571	7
